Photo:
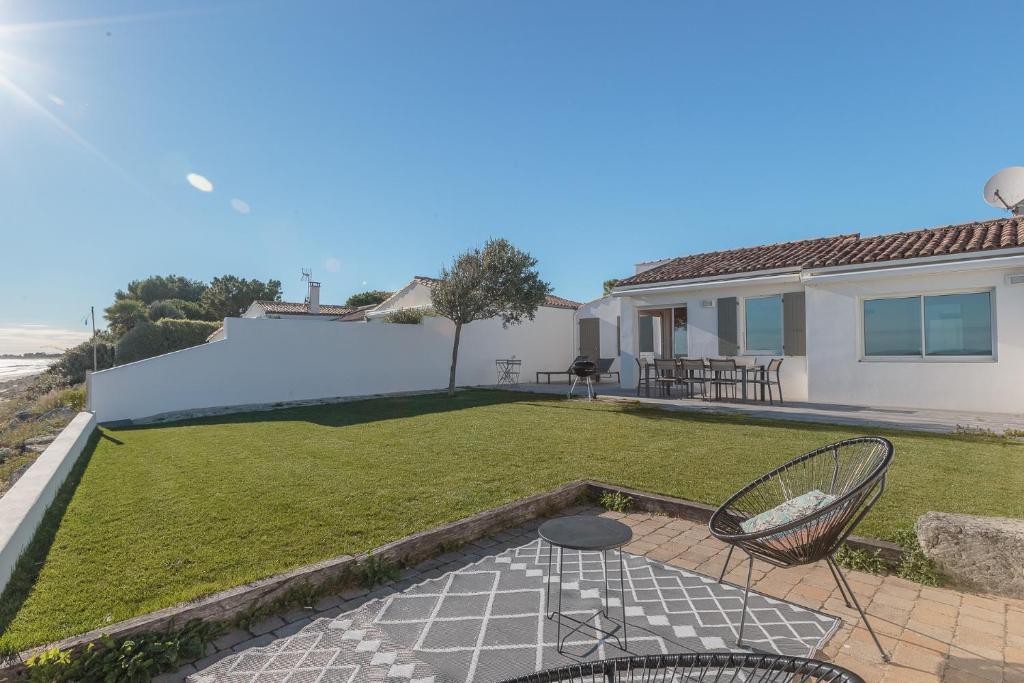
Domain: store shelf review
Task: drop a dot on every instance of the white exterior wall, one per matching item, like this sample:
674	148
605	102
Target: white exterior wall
413	295
839	374
265	361
607	310
702	328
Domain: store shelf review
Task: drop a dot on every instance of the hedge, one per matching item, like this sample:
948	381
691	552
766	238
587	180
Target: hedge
152	339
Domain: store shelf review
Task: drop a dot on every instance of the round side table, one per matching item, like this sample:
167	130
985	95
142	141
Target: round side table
586	534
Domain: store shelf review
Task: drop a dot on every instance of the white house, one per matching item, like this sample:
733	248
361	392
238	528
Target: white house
930	318
555	311
310	309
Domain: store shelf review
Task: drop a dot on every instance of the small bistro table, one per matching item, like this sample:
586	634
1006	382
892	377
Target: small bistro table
585	534
508	370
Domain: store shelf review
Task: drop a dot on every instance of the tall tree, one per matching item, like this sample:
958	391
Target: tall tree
374	296
498	280
228	295
157	287
125	314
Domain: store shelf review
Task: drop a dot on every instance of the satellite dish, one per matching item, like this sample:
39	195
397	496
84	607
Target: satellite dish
1005	190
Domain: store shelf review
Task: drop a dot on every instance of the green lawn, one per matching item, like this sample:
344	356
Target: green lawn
165	514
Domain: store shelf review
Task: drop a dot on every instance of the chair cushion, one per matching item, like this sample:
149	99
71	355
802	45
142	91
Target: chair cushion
786	512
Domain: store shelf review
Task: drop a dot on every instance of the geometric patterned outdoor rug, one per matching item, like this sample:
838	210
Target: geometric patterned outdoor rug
486	622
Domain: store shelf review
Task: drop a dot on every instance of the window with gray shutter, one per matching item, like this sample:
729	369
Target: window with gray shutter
794	336
728	337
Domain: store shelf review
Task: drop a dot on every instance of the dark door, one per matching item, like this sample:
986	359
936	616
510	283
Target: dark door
590	338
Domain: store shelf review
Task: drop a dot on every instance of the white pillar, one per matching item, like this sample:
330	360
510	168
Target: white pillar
627	357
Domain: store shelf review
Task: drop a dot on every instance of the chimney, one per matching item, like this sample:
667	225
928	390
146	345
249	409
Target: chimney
314	298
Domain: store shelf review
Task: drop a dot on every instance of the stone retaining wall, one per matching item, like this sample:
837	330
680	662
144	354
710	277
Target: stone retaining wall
420	546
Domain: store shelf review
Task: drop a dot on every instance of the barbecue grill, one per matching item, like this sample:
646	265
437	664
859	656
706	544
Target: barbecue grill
583	371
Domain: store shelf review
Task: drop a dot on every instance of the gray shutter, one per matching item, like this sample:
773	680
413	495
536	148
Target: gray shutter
794	333
727	328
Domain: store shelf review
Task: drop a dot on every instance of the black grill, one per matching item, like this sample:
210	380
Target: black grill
584	368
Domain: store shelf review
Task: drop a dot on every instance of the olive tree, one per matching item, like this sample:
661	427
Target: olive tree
498	280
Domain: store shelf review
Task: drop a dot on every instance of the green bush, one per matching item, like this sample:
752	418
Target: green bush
181	334
616	501
137	658
124	314
405	316
914	564
70	368
861	560
152	339
142	341
375	296
158	310
193	310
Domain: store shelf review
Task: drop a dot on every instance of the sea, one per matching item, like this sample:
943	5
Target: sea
13	368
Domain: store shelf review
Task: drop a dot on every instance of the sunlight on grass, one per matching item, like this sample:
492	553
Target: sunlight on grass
170	513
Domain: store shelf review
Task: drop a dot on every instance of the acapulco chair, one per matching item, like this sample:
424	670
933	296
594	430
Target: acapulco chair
703	667
845	479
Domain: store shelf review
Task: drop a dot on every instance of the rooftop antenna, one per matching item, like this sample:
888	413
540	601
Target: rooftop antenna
307	276
1005	190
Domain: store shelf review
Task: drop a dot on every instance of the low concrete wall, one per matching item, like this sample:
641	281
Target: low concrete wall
22	508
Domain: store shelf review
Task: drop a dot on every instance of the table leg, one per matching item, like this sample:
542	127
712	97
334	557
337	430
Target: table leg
622	599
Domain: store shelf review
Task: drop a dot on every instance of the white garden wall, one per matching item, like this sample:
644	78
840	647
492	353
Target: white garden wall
266	361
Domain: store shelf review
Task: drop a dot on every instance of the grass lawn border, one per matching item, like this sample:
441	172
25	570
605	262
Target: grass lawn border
224	605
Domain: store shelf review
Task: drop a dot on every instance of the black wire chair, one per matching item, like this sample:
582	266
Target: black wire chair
852	471
702	667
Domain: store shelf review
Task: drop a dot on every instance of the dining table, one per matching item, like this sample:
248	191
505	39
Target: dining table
747	370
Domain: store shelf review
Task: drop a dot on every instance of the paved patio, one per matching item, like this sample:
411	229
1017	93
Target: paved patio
932	634
940	421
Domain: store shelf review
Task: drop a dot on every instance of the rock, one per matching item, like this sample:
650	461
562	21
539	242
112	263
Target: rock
44	440
984	554
5	453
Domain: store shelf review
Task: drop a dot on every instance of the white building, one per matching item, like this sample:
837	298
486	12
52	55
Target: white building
310	309
929	319
416	296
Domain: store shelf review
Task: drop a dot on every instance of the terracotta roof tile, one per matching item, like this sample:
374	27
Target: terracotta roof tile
999	233
290	308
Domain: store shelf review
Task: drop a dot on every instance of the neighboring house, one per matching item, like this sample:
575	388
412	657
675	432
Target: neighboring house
930	318
416	295
310	309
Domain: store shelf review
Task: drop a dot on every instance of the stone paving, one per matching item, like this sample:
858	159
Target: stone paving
932	634
919	419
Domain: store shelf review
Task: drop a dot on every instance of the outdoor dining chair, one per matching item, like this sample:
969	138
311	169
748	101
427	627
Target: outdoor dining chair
693	375
803	511
665	375
724	374
698	667
767	381
643	378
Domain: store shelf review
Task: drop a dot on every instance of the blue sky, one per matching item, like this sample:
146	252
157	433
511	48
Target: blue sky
374	140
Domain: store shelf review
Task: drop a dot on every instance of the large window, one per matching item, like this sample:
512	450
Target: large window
763	324
932	326
892	327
